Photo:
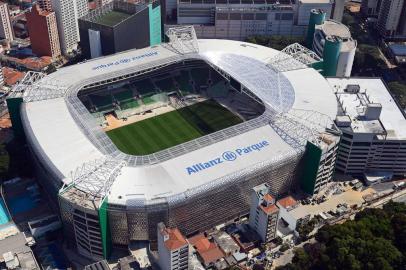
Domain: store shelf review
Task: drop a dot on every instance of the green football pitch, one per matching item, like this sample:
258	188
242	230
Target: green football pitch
172	128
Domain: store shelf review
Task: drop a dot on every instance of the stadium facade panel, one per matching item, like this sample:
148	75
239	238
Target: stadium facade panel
108	199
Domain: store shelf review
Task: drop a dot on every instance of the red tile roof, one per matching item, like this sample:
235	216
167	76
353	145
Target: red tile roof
268	197
207	250
175	239
270	209
12	76
287	202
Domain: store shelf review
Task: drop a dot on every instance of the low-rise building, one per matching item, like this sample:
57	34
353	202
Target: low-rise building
208	251
226	243
285	205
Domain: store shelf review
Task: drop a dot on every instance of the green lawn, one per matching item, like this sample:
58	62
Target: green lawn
112	18
172	128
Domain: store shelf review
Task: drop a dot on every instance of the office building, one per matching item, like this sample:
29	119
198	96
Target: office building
68	13
43	31
333	42
373	143
370	8
391	19
6	31
240	19
119	26
173	249
263	213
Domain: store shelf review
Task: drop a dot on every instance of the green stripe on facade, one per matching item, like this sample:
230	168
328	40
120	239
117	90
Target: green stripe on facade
155	32
312	159
105	228
14	108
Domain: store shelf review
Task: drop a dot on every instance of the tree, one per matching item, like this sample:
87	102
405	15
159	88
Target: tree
305	228
399	91
284	247
275	42
4	162
375	239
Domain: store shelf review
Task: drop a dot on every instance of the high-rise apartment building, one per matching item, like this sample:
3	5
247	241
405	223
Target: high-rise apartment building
390	22
43	31
45	5
173	249
6	31
370	8
263	213
68	13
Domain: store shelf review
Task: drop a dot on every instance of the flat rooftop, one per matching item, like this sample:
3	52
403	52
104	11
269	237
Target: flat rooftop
112	18
392	119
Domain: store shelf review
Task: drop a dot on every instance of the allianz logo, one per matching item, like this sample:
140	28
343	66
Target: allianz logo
227	156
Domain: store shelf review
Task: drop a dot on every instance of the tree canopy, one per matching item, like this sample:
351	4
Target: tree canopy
275	42
375	239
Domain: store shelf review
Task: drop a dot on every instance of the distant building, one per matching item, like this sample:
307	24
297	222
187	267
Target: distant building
118	26
238	20
339	55
45	5
173	249
370	8
338	10
68	13
43	31
391	19
100	3
6	31
263	213
373	127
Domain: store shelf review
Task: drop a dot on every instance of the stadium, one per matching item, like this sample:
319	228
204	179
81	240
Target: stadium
176	133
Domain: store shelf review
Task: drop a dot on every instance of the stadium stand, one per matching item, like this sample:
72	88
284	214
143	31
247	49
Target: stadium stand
126	99
145	87
147	100
102	102
218	90
200	76
166	84
183	79
215	77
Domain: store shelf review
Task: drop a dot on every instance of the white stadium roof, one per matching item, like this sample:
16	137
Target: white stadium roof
67	142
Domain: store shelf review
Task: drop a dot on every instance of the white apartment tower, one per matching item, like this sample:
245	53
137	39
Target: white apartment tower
173	249
6	31
389	18
67	13
263	213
